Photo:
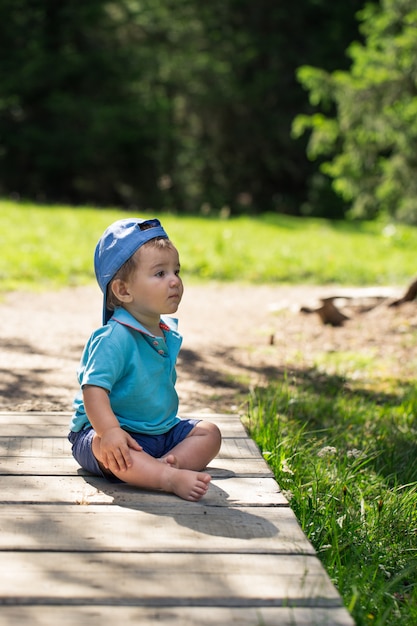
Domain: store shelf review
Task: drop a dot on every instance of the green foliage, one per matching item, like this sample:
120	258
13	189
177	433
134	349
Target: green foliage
45	246
72	101
371	134
345	458
166	104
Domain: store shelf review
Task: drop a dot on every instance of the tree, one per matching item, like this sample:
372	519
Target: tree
367	118
71	120
173	104
254	163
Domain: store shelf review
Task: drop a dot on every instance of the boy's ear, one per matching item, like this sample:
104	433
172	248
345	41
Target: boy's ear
120	290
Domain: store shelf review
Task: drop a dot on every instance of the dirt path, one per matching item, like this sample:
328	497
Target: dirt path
234	336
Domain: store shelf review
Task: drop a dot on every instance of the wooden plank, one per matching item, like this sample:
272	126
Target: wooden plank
27	454
28	425
174	527
66	615
238	448
230	425
93	490
256	466
43	416
44	466
23	429
27	446
187	579
67	466
226	421
34	430
35	417
40	447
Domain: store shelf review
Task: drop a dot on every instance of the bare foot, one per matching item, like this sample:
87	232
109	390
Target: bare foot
170	459
187	484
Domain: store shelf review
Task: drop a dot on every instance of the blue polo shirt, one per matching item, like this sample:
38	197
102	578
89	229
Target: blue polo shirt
138	371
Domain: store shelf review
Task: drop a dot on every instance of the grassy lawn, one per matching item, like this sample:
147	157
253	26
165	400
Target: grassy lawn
343	449
43	247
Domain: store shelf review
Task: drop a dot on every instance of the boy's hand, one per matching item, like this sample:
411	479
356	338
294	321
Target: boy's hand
115	447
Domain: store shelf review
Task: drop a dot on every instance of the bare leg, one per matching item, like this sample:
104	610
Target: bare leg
200	446
149	473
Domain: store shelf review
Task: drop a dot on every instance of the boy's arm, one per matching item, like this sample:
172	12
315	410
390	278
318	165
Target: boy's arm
114	441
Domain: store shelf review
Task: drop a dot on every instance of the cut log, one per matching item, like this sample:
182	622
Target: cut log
409	295
328	313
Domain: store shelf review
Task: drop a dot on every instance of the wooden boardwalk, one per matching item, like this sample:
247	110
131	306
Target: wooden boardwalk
77	550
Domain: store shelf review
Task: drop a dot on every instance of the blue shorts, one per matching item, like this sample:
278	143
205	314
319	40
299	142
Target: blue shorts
154	445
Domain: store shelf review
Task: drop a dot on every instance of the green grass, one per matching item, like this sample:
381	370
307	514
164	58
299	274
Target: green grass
346	457
52	246
342	444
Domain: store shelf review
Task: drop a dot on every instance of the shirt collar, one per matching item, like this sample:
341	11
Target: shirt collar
122	316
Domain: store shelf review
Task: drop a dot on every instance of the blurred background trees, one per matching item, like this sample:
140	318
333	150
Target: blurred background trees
190	106
372	137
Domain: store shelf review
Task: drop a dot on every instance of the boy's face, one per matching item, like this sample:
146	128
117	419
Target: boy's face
155	287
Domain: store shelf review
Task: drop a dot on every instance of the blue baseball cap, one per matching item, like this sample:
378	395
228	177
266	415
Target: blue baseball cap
117	244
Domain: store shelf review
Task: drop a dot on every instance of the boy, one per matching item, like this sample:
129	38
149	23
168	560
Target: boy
125	425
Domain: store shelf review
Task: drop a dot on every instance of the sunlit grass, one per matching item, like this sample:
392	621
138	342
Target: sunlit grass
44	247
347	362
346	459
